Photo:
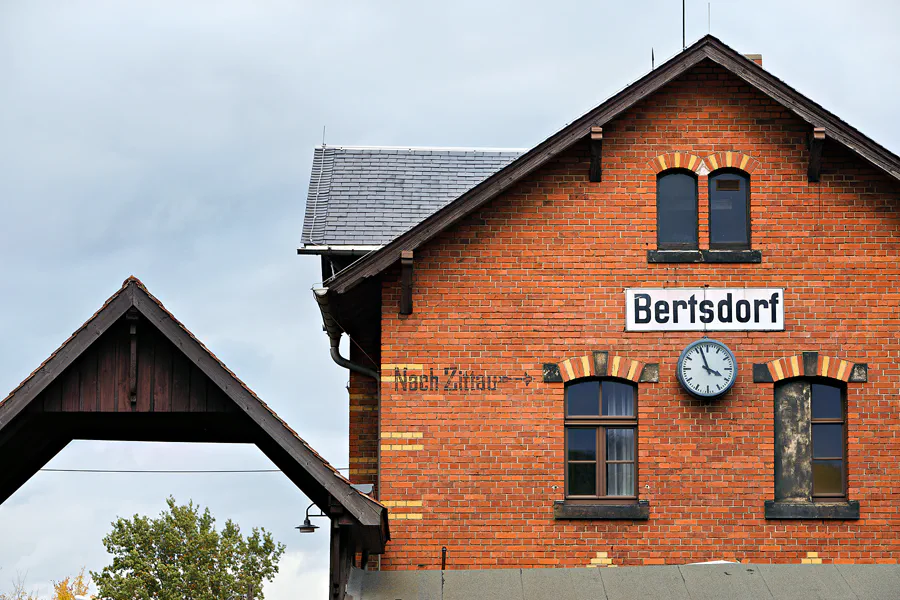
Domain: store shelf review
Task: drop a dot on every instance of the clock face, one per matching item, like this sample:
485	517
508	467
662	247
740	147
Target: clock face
707	368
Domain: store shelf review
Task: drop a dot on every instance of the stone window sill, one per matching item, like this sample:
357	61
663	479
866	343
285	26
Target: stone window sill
812	510
705	256
634	511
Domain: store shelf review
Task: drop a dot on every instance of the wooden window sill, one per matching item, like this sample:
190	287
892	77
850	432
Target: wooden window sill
634	511
840	509
704	256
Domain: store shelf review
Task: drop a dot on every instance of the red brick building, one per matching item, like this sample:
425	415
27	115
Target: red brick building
519	321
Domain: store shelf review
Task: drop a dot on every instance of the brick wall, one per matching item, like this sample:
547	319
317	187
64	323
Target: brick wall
538	276
363	391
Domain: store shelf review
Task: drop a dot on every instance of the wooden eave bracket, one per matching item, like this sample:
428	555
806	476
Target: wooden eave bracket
406	282
816	142
596	173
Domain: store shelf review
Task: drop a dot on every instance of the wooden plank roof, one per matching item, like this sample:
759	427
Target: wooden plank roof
707	48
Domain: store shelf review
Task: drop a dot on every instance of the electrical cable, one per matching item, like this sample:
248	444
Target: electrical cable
169	471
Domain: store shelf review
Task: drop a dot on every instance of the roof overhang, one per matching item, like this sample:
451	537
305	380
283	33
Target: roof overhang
707	48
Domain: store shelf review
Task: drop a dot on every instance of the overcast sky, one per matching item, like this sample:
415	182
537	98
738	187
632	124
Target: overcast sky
173	140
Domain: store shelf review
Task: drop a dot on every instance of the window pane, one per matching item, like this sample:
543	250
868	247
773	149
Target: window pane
828	477
583	399
677	210
828	440
619	444
826	401
618	399
582	443
728	195
620	479
582	479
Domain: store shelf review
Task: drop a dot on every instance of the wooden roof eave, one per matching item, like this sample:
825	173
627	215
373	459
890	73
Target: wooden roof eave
708	47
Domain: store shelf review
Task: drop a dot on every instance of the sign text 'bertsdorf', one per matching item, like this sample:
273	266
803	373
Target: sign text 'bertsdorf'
704	309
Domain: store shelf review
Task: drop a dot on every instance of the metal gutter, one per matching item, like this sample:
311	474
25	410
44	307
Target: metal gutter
334	332
337	250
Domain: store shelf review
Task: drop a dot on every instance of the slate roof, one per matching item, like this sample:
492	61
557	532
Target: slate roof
689	582
367	196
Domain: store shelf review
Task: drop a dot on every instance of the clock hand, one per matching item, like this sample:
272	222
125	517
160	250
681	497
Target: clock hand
703	356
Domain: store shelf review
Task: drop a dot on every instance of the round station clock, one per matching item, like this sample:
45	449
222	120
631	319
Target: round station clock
707	368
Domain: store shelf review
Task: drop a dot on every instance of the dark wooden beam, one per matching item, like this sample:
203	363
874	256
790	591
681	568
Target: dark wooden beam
596	173
20	464
406	282
218	428
816	142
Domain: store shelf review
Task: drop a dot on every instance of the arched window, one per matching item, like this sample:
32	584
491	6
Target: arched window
729	210
601	434
676	210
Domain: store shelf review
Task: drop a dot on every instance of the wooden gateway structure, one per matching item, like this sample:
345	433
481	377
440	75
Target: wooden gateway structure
134	372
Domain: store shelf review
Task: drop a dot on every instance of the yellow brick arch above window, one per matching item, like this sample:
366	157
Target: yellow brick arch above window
810	364
601	363
676	160
732	160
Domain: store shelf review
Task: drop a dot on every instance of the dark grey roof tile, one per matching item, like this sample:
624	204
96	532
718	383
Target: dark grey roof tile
369	196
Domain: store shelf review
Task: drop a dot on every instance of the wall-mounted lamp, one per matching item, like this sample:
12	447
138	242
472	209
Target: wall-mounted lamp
307	526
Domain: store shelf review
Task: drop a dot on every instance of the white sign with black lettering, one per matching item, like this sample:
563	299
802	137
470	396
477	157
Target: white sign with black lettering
704	309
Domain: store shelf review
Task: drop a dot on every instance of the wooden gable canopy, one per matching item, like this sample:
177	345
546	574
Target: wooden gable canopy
134	372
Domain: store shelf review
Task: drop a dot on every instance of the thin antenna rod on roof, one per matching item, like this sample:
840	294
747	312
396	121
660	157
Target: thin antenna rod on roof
323	136
652	60
683	29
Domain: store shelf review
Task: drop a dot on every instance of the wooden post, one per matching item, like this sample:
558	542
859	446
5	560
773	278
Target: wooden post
334	571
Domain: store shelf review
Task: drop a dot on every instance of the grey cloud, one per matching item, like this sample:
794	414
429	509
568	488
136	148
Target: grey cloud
173	140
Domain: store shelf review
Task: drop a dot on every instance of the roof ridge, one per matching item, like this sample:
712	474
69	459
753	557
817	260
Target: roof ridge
424	148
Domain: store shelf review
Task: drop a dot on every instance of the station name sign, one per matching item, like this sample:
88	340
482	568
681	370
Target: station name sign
704	309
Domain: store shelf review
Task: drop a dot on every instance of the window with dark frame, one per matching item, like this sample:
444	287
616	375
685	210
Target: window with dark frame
601	435
729	210
676	210
829	439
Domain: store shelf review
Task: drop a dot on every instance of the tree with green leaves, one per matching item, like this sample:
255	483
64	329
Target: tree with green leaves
181	555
